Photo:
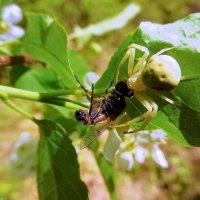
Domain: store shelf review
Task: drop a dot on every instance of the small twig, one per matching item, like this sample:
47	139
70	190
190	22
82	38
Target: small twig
12	60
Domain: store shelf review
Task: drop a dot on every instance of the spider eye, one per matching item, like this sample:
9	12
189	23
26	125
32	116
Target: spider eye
162	72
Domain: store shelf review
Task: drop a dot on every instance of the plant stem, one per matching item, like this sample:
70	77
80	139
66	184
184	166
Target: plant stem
8	102
35	96
50	97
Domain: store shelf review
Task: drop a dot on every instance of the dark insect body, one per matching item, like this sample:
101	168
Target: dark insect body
106	110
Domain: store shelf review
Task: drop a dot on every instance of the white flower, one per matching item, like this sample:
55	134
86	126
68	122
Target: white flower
11	15
24	137
158	134
159	157
143	137
112	145
126	161
90	78
138	146
151	140
140	154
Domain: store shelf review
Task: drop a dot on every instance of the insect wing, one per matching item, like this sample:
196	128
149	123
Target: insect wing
89	139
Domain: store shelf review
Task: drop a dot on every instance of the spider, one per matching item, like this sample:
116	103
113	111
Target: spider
159	72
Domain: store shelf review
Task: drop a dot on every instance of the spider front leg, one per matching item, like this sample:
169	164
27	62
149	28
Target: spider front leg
162	51
130	55
151	107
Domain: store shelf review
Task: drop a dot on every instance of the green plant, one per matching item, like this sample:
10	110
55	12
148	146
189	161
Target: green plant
45	40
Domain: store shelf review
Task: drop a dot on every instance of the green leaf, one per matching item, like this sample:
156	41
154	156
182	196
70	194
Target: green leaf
36	79
80	67
184	35
188	93
58	169
185	120
46	40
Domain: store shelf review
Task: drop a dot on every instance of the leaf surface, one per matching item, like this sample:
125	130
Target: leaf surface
58	169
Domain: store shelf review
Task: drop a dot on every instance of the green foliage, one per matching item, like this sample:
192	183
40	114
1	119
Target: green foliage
37	79
45	40
58	169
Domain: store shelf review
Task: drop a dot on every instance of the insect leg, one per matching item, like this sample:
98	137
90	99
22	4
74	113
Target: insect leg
91	102
80	84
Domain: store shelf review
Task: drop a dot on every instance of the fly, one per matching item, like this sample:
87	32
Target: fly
105	111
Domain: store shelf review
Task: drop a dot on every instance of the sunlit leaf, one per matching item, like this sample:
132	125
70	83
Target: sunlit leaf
46	40
58	169
37	79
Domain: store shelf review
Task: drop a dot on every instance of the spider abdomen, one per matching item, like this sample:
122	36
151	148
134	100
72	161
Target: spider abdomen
162	72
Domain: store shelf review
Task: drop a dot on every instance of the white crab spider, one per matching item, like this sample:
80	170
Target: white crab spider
159	72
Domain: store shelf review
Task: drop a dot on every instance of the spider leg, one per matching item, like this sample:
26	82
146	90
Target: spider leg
131	55
91	104
142	60
147	116
86	91
166	98
154	109
162	51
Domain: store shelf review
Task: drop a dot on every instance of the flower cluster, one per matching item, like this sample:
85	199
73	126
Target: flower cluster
135	148
23	156
11	15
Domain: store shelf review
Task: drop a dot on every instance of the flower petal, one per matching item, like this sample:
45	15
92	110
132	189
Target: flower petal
126	161
143	137
111	146
90	78
16	31
13	33
159	157
12	14
140	153
158	134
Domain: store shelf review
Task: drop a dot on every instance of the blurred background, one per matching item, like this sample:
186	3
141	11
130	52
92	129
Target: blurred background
148	181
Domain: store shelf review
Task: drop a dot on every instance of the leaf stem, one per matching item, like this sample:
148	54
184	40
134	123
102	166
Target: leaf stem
50	97
35	96
13	106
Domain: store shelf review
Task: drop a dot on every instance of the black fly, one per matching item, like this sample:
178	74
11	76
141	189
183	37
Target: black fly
106	110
